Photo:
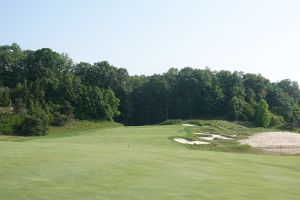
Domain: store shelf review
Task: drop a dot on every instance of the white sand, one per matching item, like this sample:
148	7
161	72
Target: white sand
221	137
188	125
280	142
185	141
209	137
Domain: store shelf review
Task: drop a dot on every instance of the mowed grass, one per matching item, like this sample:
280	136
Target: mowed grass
138	163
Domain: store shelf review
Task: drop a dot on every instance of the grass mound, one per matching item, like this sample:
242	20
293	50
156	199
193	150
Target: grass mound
72	128
233	130
171	122
226	128
82	125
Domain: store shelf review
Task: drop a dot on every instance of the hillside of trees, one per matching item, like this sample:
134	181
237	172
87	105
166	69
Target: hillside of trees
42	88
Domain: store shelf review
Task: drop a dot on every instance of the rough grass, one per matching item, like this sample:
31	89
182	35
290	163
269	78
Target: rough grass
171	122
236	130
139	163
227	128
79	125
72	128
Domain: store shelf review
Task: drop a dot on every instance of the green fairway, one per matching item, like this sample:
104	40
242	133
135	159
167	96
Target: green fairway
138	163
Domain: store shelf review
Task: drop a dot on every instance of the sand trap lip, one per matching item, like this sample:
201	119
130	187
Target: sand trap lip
188	125
209	137
279	142
203	134
185	141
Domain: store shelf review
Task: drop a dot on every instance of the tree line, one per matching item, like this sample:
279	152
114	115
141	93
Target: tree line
41	88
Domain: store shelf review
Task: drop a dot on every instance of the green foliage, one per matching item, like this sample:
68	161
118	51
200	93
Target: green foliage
67	109
33	126
51	83
4	97
295	116
276	120
262	115
171	122
35	123
9	123
249	112
59	119
237	106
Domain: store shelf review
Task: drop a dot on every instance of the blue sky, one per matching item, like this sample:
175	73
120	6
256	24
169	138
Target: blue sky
150	36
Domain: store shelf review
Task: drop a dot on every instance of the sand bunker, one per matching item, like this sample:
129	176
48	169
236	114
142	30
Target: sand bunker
188	125
202	134
278	142
185	141
209	137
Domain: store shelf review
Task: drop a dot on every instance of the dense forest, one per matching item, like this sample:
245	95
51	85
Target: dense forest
42	88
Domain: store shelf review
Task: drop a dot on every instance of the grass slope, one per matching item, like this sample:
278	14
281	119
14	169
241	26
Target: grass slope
225	128
139	163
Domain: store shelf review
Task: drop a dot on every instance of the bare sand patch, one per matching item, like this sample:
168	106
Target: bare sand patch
185	141
209	136
188	125
277	142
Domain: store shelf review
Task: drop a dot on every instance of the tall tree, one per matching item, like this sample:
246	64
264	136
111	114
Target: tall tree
262	115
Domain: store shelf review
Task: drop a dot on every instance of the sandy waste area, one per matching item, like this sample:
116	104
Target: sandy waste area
185	141
277	142
191	125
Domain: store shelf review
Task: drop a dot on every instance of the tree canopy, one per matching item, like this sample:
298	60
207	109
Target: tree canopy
42	87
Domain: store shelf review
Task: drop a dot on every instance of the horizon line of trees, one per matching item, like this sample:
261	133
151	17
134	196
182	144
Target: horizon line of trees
41	88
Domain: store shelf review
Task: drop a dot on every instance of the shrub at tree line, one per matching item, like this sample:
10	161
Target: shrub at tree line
263	115
41	88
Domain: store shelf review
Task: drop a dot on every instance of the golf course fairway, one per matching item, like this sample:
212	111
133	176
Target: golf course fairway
138	163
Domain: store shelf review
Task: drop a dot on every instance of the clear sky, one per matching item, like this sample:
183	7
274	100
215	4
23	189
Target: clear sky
150	36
